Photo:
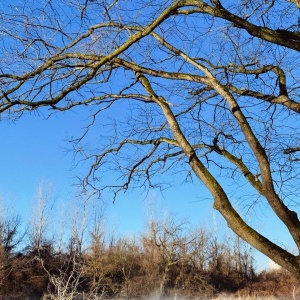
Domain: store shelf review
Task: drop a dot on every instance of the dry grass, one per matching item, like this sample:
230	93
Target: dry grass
224	297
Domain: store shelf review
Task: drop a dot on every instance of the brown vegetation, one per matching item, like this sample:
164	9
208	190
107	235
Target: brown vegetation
166	260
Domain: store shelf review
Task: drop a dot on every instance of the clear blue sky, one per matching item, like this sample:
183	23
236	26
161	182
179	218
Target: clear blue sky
33	150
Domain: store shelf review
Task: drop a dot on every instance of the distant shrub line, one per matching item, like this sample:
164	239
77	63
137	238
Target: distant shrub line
164	261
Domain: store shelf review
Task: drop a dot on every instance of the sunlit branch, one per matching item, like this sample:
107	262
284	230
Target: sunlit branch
253	179
291	150
221	201
285	38
280	99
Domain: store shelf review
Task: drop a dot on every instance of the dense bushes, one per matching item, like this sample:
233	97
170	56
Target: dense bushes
166	259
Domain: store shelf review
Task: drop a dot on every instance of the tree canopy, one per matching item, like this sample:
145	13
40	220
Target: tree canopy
210	88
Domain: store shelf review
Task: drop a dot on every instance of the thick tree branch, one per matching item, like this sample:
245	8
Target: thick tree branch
281	37
221	202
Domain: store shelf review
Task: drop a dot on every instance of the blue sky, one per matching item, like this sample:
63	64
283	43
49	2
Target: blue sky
34	150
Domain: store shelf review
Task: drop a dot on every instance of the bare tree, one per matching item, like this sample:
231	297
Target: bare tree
64	285
10	233
95	260
39	229
10	237
209	88
165	246
199	249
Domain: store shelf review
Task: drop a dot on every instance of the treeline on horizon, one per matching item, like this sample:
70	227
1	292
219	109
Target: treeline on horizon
169	258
